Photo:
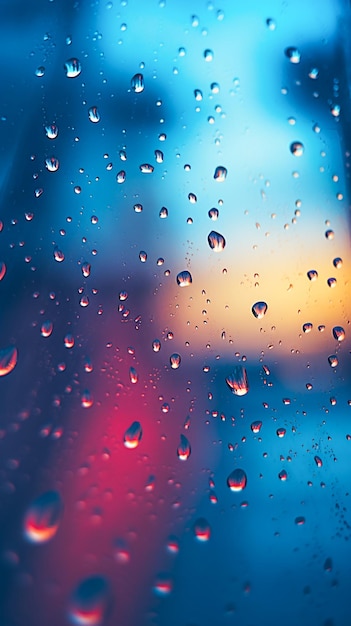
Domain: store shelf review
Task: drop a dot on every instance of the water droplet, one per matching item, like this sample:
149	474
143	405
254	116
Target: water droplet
335	110
121	177
137	83
338	333
184	279
293	55
329	234
52	164
90	602
58	255
259	309
238	382
337	262
163	585
173	545
237	480
283	475
8	360
312	275
331	282
143	256
159	156
133	435
297	148
300	520
208	55
281	432
94	115
51	131
146	168
46	328
307	327
333	360
220	174
133	375
318	461
86	400
184	448
69	341
40	71
256	426
271	23
202	530
175	360
328	565
156	345
86	268
163	213
216	241
198	95
42	519
213	214
72	68
2	269
313	73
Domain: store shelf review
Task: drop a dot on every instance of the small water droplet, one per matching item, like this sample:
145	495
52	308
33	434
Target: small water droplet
198	95
338	333
312	275
69	341
333	360
329	234
8	360
184	448
331	282
208	55
216	241
271	23
52	164
94	115
213	214
86	268
281	432
184	279
86	400
256	426
313	73
58	255
46	328
238	382
133	435
40	71
51	131
337	262
90	602
307	327
42	519
137	83
163	213
2	269
121	177
72	68
175	360
156	345
237	480
163	585
202	530
335	110
300	520
146	168
297	148
220	174
133	375
318	461
293	54
143	256
259	309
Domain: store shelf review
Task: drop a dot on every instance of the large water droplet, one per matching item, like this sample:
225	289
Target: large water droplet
216	241
90	602
52	164
237	480
259	309
238	382
202	530
133	435
8	360
297	148
333	360
46	328
184	279
43	517
94	115
72	68
256	426
220	174
137	83
156	345
312	275
175	360
121	177
338	333
184	448
51	131
146	168
293	54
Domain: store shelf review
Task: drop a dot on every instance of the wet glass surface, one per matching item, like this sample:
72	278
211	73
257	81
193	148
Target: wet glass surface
175	425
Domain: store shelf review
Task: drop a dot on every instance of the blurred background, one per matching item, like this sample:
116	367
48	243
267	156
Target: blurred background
175	313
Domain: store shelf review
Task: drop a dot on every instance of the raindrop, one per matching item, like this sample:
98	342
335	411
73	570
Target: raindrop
46	328
159	156
220	174
312	275
58	255
256	426
8	360
86	268
142	256
94	115
282	475
184	279
146	168
213	214
338	333
281	432
51	131
259	309
175	360
313	73
331	282
133	435
156	345
42	519
333	360
90	602
133	375
216	241
72	68
337	262
121	177
202	530
69	341
293	54
237	480
137	83
52	164
307	327
184	448
238	382
297	148
2	269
